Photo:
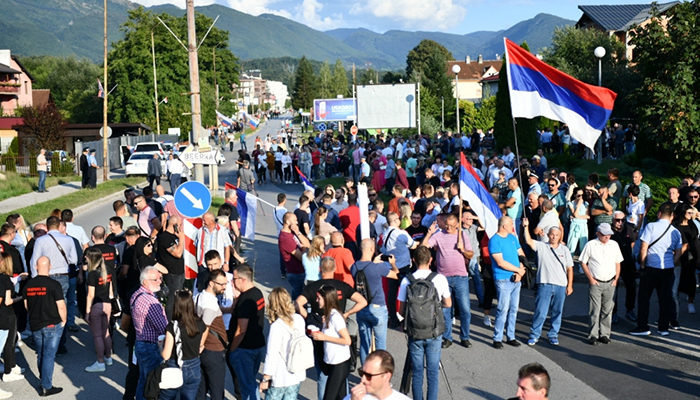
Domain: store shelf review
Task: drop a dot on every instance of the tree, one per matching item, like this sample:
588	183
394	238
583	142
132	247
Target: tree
339	82
503	124
131	68
418	56
303	94
367	76
572	52
667	53
486	114
325	82
45	125
392	77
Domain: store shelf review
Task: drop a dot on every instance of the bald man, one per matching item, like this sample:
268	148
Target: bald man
343	259
43	298
212	237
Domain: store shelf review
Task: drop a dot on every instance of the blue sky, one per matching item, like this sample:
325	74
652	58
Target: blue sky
452	16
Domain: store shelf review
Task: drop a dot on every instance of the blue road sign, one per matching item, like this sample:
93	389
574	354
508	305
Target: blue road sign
321	127
192	199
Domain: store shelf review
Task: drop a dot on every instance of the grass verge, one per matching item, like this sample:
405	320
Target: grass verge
16	184
41	211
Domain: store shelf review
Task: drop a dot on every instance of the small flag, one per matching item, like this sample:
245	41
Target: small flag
225	121
247	209
538	89
252	121
473	190
100	89
307	184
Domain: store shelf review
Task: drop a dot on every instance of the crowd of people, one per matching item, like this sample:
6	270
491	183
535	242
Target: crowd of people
420	250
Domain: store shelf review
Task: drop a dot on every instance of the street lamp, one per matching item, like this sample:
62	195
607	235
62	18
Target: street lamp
456	68
599	52
442	100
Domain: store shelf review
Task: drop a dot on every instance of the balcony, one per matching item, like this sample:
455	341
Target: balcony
9	88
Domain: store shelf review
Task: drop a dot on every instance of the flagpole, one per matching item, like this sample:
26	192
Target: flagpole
515	132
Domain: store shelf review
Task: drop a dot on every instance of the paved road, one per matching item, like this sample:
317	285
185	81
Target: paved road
641	368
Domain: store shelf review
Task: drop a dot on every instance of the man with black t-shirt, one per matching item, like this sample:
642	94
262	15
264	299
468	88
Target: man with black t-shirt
128	272
308	300
246	330
213	356
7	233
302	213
43	297
171	246
416	230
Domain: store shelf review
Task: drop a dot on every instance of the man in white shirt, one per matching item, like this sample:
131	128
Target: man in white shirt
600	260
375	383
499	166
73	230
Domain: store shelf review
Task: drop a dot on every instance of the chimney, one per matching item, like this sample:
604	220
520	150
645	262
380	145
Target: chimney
467	60
480	59
498	57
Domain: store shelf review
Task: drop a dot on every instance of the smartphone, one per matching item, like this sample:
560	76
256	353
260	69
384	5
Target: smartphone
385	257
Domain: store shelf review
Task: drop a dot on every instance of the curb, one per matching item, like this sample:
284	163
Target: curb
112	196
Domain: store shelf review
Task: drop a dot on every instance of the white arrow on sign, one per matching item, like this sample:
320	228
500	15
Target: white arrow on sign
196	203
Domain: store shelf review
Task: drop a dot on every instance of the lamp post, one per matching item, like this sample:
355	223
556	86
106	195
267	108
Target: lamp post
456	68
442	100
599	52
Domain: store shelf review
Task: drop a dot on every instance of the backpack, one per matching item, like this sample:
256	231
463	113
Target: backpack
362	284
300	356
424	318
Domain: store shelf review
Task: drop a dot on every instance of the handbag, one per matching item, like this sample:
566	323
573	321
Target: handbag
171	377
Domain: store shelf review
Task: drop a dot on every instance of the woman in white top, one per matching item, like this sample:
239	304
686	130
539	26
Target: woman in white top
336	344
277	380
287	167
635	208
312	259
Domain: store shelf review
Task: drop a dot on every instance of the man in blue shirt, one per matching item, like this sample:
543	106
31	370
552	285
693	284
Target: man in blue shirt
373	319
505	249
514	204
660	252
92	169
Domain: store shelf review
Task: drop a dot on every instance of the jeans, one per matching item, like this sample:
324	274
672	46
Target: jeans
548	297
629	147
428	350
507	310
296	281
283	393
70	297
46	340
148	358
600	307
213	366
246	362
175	180
371	320
459	291
71	301
191	375
42	181
476	278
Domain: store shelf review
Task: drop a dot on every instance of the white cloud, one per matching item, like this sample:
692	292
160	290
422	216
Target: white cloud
257	7
308	13
419	14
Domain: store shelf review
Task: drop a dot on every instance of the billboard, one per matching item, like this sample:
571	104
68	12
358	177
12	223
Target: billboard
386	106
334	110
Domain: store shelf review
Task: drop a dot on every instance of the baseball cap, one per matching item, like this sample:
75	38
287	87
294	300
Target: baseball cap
605	229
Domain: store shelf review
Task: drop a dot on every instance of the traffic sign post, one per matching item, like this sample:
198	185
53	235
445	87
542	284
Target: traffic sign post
353	130
191	157
192	199
321	127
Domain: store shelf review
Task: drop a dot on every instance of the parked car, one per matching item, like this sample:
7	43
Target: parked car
149	148
167	146
138	163
220	158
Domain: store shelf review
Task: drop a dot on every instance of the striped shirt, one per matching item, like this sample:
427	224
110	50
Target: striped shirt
148	316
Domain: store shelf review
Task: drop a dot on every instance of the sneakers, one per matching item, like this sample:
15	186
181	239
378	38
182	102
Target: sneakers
592	341
498	345
284	276
691	308
17	370
513	342
109	361
487	321
640	332
531	342
663	333
631	316
674	325
12	376
5	395
446	343
96	367
604	340
554	341
466	343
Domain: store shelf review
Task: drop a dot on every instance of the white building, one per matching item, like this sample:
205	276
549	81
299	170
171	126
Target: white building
256	91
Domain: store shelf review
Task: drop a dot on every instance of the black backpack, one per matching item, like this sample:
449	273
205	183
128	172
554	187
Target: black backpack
362	283
424	318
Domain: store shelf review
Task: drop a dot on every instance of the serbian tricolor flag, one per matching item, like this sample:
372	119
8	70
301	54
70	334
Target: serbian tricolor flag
252	121
307	183
225	121
247	207
100	89
473	191
537	89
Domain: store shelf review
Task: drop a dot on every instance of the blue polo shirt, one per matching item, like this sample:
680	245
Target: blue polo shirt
508	247
660	255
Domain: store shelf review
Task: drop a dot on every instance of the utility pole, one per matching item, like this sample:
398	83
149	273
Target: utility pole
155	82
194	85
105	135
213	54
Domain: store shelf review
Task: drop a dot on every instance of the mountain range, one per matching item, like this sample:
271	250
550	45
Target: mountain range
72	27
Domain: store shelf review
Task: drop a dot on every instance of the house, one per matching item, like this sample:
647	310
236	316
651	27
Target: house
618	20
489	86
470	76
15	84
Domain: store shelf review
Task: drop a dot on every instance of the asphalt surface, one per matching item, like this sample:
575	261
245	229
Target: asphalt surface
629	367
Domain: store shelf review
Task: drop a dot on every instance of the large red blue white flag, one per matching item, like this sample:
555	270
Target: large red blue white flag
537	89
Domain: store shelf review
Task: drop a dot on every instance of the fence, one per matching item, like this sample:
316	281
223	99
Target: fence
60	164
115	157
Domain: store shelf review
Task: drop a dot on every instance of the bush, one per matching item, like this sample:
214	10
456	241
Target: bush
9	162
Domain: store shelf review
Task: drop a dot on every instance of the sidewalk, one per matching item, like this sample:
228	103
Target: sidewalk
53	192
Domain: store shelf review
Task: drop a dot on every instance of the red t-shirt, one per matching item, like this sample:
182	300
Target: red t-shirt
288	243
316	157
350	220
343	262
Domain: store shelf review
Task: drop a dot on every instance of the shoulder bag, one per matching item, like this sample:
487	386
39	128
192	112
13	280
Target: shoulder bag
639	255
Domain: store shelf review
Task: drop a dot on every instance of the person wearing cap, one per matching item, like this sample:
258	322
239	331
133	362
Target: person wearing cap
533	180
538	167
600	260
85	167
364	170
92	169
624	236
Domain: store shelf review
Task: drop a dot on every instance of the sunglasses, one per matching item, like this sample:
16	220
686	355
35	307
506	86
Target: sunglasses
619	219
693	197
551	185
367	375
